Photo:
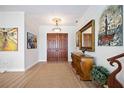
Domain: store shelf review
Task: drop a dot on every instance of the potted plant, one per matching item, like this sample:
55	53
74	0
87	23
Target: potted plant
99	75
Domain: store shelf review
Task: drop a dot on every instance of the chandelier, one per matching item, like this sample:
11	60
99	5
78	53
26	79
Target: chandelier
56	28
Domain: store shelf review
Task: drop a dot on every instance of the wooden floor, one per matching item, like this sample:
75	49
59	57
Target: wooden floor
38	76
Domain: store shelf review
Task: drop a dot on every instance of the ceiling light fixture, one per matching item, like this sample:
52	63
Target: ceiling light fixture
56	21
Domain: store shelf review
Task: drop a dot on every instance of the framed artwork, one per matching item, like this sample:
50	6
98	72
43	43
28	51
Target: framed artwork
111	26
31	41
8	39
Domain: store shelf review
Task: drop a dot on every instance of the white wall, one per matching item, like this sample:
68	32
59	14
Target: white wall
101	52
43	30
13	60
31	55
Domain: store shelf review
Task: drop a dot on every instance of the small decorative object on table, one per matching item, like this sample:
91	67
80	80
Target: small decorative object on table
83	50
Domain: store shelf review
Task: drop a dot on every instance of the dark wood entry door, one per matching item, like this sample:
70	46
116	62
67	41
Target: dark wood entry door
57	47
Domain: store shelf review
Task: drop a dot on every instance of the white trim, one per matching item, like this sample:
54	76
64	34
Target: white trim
2	71
70	60
31	65
15	70
44	61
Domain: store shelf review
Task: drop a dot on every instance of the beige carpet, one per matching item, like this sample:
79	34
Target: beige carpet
51	75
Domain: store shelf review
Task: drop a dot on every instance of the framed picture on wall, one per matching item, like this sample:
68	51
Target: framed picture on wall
9	39
31	41
111	26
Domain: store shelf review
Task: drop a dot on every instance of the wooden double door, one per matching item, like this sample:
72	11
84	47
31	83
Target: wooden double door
57	47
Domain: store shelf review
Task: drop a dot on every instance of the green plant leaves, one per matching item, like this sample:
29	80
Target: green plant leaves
100	74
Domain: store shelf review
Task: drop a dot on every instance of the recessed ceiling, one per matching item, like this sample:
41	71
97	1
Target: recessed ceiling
43	14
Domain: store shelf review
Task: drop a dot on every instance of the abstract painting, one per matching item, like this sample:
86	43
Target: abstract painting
111	26
31	41
8	39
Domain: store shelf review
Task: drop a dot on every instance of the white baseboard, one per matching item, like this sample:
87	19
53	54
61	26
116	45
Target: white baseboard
69	60
15	70
43	61
2	71
31	65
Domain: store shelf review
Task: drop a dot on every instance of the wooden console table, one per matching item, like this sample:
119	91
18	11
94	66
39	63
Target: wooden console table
83	65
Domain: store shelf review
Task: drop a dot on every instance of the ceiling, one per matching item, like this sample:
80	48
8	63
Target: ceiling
43	14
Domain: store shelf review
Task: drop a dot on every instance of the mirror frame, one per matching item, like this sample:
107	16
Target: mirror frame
78	38
83	29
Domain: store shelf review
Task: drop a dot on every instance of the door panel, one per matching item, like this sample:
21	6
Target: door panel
63	46
57	47
51	47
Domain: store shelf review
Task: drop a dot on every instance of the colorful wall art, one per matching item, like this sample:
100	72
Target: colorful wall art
31	41
8	39
111	26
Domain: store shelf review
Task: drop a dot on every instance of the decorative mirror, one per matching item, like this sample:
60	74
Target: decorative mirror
87	37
